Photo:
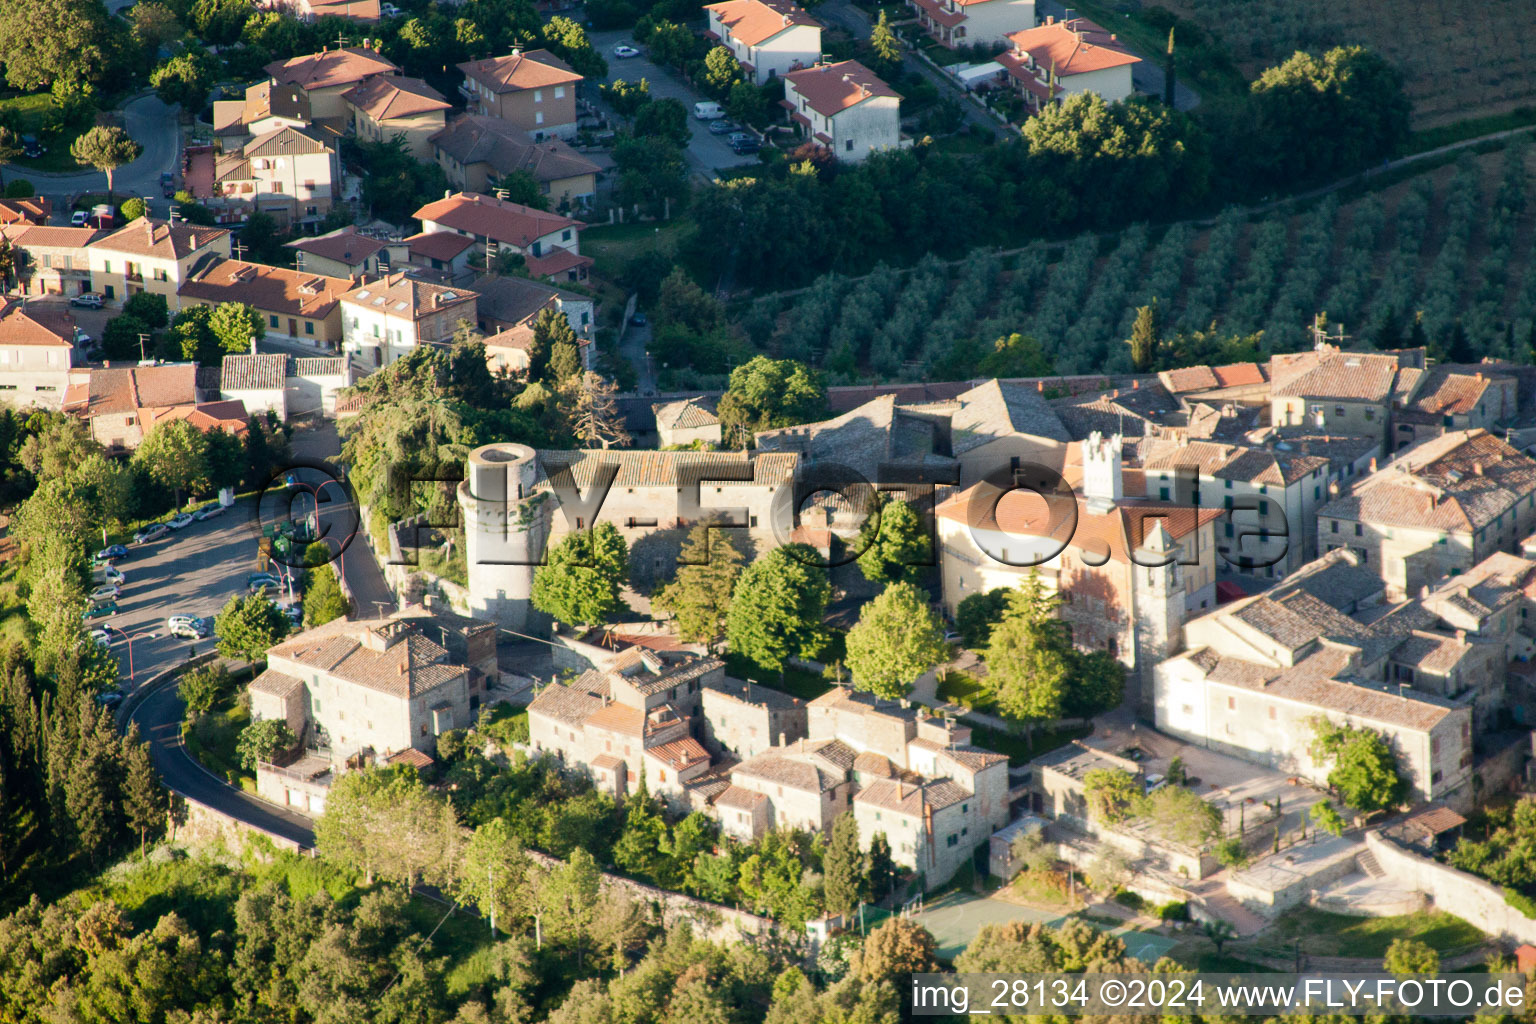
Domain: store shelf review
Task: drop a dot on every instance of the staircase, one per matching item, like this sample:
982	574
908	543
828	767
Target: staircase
1243	921
1367	863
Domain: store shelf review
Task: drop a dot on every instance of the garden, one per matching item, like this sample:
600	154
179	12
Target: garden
1445	258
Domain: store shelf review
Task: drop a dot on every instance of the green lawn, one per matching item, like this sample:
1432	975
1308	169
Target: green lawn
13	610
966	690
32	114
1325	934
612	246
800	683
453	568
1012	743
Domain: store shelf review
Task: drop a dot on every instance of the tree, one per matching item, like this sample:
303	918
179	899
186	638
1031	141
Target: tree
1365	772
880	870
522	187
495	875
746	103
1180	815
324	601
1016	355
175	454
385	821
843	868
665	119
154	25
1097	684
1112	794
148	307
897	639
186	79
699	598
1218	932
10	150
766	393
885	44
579	583
565	365
42	41
894	544
1170	71
721	71
566	898
638	850
595	417
248	625
1411	956
1029	656
652	169
778	606
123	338
203	687
105	148
977	614
1145	337
143	796
235	326
1327	817
220	21
567	40
626	98
897	948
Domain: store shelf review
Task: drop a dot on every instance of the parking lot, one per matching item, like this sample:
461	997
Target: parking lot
705	151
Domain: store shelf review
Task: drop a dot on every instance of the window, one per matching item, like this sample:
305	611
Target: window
1231	703
559	92
953	840
1359	530
538	95
309	327
848	145
317	705
538	117
1335	525
565	236
423	728
272	321
277	187
161	275
1162	493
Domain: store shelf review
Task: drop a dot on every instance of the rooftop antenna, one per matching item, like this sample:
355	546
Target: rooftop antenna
239	250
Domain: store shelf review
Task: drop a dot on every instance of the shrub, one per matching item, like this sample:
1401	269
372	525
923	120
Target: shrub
1520	901
1230	853
1176	911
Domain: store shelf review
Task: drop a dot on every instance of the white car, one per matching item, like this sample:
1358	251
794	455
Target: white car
79	218
208	512
187	627
624	51
389	10
102	637
1155	782
110	574
180	521
106	592
89	300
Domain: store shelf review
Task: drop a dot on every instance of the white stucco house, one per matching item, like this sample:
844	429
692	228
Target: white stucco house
769	37
846	107
962	22
1062	58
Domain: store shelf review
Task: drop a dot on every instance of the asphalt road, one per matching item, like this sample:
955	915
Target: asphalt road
706	152
159	720
152	125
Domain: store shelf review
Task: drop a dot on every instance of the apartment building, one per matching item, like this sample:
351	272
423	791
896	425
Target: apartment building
1343	392
50	260
149	255
383	320
532	89
345	252
266	107
294	305
386	106
1047	63
293	174
324	78
37	349
768	38
549	243
477	151
957	23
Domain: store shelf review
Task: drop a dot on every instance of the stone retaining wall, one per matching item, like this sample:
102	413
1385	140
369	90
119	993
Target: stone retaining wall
1475	901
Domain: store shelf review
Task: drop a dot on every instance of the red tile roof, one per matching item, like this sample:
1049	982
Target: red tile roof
345	245
159	239
34	210
1072	47
384	97
406	297
679	754
752	22
269	289
832	88
531	69
556	261
439	245
19	325
484	216
229	416
330	68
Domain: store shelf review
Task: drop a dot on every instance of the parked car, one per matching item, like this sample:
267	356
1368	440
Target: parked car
723	127
638	320
188	627
1155	782
106	592
151	532
31	148
208	512
109	573
83	340
708	110
259	580
90	300
389	11
110	552
110	699
743	143
79	218
624	51
180	521
102	638
167	184
100	611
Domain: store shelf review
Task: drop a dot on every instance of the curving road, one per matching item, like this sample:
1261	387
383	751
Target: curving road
159	720
153	125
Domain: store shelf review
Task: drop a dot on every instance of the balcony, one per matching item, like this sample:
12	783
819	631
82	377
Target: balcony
135	276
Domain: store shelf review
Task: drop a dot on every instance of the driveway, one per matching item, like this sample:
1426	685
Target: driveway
152	125
706	152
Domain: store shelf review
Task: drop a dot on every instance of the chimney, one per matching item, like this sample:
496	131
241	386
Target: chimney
1479	374
1477	467
1373	463
1135	385
1050	19
1333	489
1461	636
1040	385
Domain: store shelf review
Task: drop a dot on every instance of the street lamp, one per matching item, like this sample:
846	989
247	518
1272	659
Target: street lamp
130	638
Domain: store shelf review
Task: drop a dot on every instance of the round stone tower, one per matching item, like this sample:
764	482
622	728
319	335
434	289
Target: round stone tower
505	527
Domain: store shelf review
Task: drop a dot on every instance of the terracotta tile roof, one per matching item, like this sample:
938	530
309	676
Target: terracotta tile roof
1232	462
345	245
20	325
1348	376
504	147
1072	47
753	22
128	389
157	238
519	338
488	217
607	762
835	754
319	366
1209	378
263	372
909	799
556	261
870	763
268	289
686	414
519	299
417	759
410	666
1463	480
229	416
278	684
330	68
680	754
407	297
34	210
973	758
1132	412
665	469
1447	393
1000	409
785	771
45	236
752	694
439	245
876	433
651	672
569	704
528	69
941	14
619	718
737	798
290	140
386	97
833	88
